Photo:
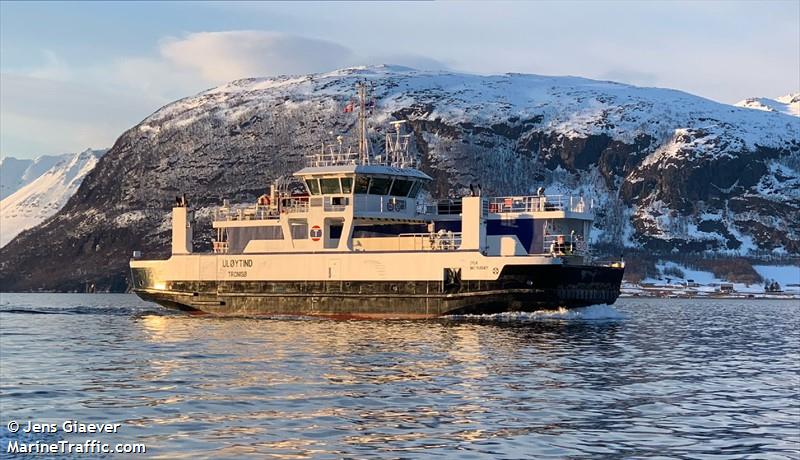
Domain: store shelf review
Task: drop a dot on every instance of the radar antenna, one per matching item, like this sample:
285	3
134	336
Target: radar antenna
397	146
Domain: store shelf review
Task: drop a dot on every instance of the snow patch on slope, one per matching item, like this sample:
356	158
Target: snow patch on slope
787	275
782	182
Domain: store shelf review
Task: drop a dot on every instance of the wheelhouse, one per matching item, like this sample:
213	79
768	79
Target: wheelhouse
369	189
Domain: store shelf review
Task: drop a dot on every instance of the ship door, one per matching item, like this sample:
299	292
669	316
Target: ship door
334	283
333	269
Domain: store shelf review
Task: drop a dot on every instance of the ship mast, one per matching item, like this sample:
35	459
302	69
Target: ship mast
363	142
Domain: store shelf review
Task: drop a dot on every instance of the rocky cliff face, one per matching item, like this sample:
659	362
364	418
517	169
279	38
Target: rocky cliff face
670	171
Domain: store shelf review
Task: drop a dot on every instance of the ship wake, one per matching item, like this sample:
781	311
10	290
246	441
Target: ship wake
601	312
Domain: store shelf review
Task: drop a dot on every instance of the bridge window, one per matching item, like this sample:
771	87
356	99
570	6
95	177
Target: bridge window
330	186
379	186
401	187
414	190
313	186
362	184
347	184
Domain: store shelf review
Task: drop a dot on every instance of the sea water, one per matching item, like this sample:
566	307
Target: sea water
671	378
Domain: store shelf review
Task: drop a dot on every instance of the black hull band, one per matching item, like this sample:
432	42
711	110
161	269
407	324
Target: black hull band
519	288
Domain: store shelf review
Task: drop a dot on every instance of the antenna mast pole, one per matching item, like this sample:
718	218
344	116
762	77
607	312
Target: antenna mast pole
363	146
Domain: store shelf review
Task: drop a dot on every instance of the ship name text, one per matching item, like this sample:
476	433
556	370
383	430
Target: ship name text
237	263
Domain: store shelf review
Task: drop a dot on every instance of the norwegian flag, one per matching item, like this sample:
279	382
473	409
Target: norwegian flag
349	107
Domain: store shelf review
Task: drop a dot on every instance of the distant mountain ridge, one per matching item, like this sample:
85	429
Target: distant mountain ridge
669	171
15	173
40	196
788	104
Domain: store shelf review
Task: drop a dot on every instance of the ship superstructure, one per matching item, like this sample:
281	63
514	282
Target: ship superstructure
364	240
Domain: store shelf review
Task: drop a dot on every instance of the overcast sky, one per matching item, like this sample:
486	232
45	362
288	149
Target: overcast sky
76	75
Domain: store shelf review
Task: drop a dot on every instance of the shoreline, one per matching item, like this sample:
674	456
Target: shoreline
670	294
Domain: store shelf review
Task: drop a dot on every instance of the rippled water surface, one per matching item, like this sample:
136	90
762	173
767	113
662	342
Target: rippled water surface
669	378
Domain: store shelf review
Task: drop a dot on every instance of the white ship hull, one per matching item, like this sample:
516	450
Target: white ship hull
385	285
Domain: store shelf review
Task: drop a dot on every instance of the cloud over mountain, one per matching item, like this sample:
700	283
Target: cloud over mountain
91	105
230	55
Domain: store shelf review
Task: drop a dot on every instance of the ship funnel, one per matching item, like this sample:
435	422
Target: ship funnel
181	228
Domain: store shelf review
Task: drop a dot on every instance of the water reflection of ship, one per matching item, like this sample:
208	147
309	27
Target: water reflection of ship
371	377
355	351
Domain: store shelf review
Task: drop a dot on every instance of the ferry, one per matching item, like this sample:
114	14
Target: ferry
355	234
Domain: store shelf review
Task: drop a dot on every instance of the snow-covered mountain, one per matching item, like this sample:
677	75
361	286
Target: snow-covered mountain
789	104
15	173
42	196
669	171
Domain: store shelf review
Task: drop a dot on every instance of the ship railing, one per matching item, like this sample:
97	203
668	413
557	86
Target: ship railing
255	212
539	203
449	206
295	205
390	206
439	241
565	245
319	160
220	247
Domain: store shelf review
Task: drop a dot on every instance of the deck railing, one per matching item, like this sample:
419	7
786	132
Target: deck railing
539	203
448	206
395	205
510	204
319	160
295	205
564	245
389	206
254	212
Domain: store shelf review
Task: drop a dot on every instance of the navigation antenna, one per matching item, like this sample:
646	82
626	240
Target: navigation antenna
397	147
363	141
